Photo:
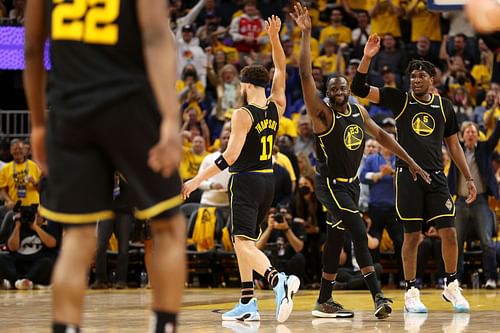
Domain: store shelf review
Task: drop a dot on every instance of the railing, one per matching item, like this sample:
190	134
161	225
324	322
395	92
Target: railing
15	123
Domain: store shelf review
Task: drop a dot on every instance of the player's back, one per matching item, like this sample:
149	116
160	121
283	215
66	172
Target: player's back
257	151
96	54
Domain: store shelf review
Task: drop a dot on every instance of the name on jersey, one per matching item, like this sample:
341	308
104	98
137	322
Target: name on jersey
266	123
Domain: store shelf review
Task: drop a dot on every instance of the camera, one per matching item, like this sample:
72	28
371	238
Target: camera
278	217
28	213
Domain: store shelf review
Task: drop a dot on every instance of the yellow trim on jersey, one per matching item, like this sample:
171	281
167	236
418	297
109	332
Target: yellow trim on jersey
442	110
331	127
347	114
336	225
420	102
404	108
257	171
249	113
359	110
76	218
157	209
397	209
336	201
259	106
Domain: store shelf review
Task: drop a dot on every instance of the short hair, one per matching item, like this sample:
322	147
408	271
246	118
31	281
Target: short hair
338	76
257	75
467	124
16	141
421	65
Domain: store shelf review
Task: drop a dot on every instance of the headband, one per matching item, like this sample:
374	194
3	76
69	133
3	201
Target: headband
258	83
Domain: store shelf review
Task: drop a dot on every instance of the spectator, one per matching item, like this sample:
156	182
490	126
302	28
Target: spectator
247	31
371	147
462	105
305	140
459	49
336	30
288	237
194	125
210	30
378	172
430	246
121	226
332	61
390	56
480	110
30	259
17	13
478	155
423	51
215	188
308	210
423	21
191	53
227	86
283	186
286	159
19	179
187	20
361	33
385	17
305	167
192	158
389	77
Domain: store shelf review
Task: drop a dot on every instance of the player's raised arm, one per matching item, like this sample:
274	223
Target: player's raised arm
359	86
273	26
35	76
314	105
160	55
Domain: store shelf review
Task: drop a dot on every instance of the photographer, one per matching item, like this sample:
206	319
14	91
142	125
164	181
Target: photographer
30	243
288	236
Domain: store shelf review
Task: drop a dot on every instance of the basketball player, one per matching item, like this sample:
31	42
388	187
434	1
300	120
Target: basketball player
423	120
107	115
339	129
251	187
484	15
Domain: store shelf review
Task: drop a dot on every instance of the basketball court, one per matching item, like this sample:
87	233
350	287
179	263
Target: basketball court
126	311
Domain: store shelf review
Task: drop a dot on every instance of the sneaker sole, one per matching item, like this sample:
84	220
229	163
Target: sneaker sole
320	314
383	312
286	306
418	311
245	317
458	310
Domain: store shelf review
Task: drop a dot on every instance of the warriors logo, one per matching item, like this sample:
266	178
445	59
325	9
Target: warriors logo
423	124
353	137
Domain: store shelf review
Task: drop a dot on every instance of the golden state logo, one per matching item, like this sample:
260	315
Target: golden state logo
423	124
353	137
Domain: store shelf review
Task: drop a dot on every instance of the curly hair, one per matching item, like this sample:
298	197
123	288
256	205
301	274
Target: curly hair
257	75
421	65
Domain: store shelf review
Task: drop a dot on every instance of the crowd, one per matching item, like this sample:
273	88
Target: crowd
215	40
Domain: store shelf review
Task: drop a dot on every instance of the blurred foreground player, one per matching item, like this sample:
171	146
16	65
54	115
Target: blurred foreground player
106	115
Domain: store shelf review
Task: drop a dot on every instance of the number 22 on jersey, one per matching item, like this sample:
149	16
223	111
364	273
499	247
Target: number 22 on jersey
88	21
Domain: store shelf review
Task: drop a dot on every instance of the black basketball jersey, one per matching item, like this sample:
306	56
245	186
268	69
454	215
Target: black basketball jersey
421	128
96	54
257	151
340	149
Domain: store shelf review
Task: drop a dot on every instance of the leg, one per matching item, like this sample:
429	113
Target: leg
169	263
423	255
148	260
8	268
104	231
41	270
123	225
69	279
484	220
462	226
396	232
410	243
449	248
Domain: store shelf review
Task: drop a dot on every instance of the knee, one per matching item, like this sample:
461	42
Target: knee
411	239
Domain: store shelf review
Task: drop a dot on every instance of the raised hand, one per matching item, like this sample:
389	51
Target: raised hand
273	25
301	17
372	46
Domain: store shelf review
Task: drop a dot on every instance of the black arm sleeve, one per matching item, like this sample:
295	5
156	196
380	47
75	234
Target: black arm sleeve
393	99
359	86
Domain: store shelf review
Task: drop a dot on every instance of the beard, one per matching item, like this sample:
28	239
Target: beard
333	101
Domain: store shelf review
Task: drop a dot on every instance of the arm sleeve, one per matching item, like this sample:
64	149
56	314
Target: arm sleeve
451	125
393	99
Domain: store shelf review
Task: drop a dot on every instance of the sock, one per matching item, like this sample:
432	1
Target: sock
164	322
271	275
65	328
372	283
410	284
246	292
325	291
450	277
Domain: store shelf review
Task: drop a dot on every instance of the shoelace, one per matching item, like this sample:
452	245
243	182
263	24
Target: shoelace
336	304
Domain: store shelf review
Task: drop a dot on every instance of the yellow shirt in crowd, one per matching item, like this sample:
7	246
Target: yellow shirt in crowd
385	21
190	163
340	34
284	161
425	23
13	178
287	127
329	64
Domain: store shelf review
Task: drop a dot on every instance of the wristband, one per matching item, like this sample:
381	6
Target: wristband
221	163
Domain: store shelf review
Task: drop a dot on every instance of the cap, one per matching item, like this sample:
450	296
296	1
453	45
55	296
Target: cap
354	61
386	69
187	27
388	121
